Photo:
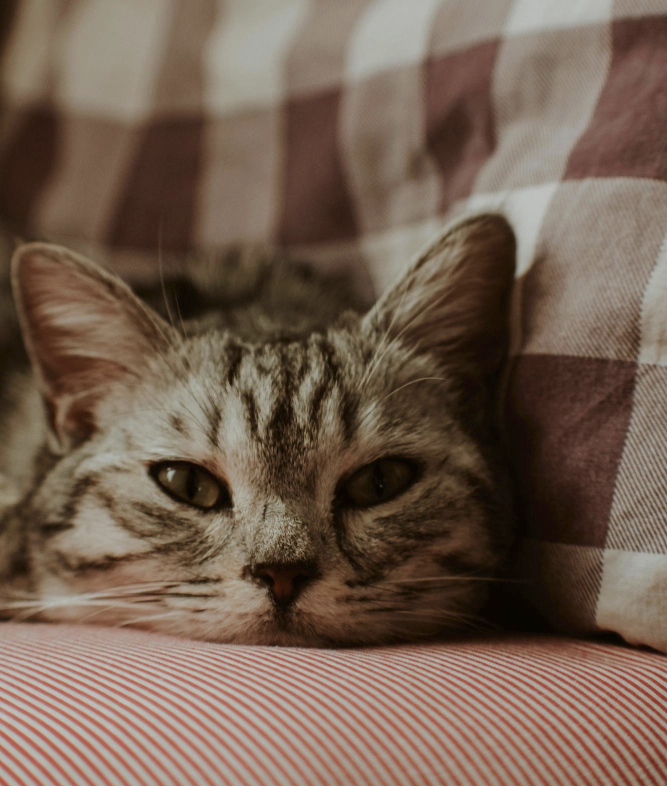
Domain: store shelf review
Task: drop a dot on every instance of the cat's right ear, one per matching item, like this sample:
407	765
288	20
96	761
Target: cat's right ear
453	302
84	330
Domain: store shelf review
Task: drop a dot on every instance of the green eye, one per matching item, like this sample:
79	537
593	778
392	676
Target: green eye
378	482
190	483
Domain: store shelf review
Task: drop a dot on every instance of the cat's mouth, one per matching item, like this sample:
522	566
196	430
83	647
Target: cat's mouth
286	626
291	626
283	618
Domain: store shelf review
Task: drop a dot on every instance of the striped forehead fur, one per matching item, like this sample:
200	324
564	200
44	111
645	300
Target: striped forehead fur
282	418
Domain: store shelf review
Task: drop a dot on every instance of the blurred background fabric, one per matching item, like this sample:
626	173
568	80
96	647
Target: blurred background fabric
347	133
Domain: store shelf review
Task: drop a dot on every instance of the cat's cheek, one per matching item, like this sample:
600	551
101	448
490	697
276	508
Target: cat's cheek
96	535
93	555
87	594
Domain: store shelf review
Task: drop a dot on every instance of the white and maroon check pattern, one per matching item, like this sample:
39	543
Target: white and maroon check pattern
349	132
95	706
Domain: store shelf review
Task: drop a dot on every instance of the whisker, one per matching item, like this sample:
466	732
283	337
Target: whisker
31	608
161	273
413	382
180	316
437	579
148	618
397	390
131	589
124	589
457	619
106	607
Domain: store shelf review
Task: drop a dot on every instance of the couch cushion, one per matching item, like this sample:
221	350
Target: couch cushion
99	706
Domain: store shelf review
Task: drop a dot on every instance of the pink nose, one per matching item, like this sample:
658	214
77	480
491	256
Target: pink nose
284	580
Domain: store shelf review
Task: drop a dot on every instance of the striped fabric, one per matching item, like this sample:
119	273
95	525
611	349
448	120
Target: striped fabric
348	132
96	706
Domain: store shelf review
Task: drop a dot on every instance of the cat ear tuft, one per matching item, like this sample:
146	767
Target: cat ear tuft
453	302
83	329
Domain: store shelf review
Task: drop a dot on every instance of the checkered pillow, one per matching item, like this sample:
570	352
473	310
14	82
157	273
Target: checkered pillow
349	132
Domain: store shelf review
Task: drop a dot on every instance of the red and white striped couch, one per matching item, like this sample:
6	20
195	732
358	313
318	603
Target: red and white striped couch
348	132
96	706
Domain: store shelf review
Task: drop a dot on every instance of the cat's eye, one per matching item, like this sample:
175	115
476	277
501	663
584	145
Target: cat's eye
378	482
191	484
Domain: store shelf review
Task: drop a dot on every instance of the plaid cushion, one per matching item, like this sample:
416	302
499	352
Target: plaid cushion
349	132
95	706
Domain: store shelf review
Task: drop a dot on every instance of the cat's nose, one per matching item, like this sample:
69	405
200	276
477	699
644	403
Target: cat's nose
284	580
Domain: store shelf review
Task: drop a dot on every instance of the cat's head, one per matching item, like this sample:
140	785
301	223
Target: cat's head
342	488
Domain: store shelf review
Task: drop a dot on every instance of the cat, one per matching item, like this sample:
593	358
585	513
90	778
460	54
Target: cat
283	470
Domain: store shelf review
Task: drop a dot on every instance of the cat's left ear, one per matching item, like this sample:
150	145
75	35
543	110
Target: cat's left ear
84	330
453	302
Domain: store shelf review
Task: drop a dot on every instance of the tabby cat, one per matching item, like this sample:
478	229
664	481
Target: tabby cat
279	470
